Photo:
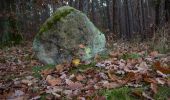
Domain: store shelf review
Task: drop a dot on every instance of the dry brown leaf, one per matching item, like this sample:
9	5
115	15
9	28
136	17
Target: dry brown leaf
164	70
33	62
133	77
27	82
111	85
99	98
73	85
137	93
53	81
154	53
150	80
168	82
154	87
80	77
130	76
132	61
114	54
59	68
113	77
143	67
46	71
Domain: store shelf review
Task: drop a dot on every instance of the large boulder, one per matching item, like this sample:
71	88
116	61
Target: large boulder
66	35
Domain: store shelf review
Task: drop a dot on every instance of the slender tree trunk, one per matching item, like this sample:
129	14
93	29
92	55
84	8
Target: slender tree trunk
85	6
71	3
109	23
93	10
157	13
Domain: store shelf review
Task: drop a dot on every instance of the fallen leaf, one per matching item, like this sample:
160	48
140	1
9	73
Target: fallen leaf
46	71
113	77
114	54
103	75
150	80
154	87
132	84
164	70
81	98
111	85
67	92
154	53
73	85
129	76
100	98
76	62
168	82
53	81
53	89
137	93
59	68
132	61
27	82
160	81
147	96
56	95
80	77
161	74
143	67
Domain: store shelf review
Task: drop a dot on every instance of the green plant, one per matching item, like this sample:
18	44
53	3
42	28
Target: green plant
126	56
82	67
37	69
104	56
163	93
43	96
58	15
122	93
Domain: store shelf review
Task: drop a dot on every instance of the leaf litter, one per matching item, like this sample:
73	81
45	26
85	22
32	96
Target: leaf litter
125	66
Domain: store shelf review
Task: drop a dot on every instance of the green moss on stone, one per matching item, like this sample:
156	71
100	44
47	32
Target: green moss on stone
57	16
66	29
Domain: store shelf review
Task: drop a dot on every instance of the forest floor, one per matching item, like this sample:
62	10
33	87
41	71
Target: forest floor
128	72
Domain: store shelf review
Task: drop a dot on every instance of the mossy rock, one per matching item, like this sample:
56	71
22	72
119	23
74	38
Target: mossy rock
66	35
